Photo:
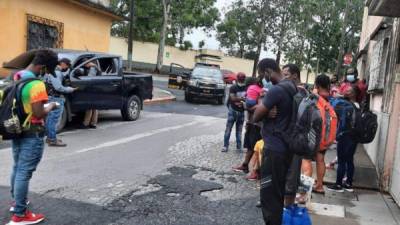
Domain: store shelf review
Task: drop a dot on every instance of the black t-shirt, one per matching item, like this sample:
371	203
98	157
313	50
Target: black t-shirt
282	99
238	91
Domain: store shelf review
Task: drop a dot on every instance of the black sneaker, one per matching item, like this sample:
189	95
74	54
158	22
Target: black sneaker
336	188
348	187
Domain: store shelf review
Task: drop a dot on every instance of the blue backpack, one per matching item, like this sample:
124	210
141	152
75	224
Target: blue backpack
346	113
295	215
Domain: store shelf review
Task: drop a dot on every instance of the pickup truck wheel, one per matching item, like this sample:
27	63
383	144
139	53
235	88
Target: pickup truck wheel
62	122
131	108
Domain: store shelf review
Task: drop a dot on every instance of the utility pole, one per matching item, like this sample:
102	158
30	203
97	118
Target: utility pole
342	39
130	35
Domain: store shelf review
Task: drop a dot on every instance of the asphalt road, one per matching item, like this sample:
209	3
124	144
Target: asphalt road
132	172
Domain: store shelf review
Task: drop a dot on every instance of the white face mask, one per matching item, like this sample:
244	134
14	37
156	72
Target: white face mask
267	84
350	78
240	84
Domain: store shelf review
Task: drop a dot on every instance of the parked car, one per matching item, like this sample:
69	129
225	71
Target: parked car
203	81
229	76
112	88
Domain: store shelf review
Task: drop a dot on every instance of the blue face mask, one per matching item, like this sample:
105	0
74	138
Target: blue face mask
267	84
350	78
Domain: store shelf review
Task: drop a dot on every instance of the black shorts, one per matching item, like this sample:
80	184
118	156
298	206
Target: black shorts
252	135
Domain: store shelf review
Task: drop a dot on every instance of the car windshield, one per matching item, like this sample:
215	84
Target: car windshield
207	72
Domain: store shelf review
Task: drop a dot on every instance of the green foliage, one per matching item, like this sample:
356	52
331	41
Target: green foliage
317	27
202	43
186	45
306	32
184	16
148	19
236	32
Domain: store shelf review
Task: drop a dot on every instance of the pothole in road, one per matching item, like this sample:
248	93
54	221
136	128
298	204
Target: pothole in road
181	198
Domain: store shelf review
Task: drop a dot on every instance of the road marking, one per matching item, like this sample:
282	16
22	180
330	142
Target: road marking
142	135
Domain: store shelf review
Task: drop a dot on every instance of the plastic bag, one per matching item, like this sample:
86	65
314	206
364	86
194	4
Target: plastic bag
294	215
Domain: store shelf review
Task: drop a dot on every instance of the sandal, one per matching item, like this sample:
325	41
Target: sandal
318	191
57	143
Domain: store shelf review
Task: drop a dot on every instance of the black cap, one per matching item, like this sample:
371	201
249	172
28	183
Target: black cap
66	61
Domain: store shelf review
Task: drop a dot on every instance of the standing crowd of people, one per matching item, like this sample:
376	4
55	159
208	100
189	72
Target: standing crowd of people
264	106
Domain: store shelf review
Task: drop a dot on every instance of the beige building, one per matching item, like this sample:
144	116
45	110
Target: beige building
379	63
69	24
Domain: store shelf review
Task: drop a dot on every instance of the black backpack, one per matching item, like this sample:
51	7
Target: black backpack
12	112
365	126
303	134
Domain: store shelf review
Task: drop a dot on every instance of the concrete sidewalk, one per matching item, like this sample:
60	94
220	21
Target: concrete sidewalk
365	206
160	96
365	175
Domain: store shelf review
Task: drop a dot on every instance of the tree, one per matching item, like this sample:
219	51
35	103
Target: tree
147	17
265	20
187	15
151	16
316	27
202	43
163	34
281	32
186	46
234	33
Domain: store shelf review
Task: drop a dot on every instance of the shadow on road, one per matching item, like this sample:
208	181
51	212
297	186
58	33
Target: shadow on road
59	211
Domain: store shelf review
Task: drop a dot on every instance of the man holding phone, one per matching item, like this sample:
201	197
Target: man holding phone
27	149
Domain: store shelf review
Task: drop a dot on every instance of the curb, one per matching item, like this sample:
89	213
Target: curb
361	187
159	100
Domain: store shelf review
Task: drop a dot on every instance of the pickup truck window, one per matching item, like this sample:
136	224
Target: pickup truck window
109	66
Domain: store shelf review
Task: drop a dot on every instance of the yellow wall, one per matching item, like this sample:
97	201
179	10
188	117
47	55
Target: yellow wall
83	28
147	52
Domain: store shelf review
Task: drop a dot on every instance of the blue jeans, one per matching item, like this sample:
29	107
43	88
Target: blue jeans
53	117
238	118
27	153
346	148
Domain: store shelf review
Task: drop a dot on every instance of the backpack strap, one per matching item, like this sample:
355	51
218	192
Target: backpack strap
18	105
288	89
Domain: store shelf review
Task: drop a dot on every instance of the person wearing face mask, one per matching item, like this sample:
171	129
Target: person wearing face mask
235	105
27	148
253	130
351	78
55	91
322	89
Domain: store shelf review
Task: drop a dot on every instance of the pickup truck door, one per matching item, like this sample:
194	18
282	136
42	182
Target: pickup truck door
178	76
102	91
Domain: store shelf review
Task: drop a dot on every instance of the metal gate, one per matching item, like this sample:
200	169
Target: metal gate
41	36
44	33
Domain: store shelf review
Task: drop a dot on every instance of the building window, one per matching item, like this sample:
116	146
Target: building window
44	33
378	69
